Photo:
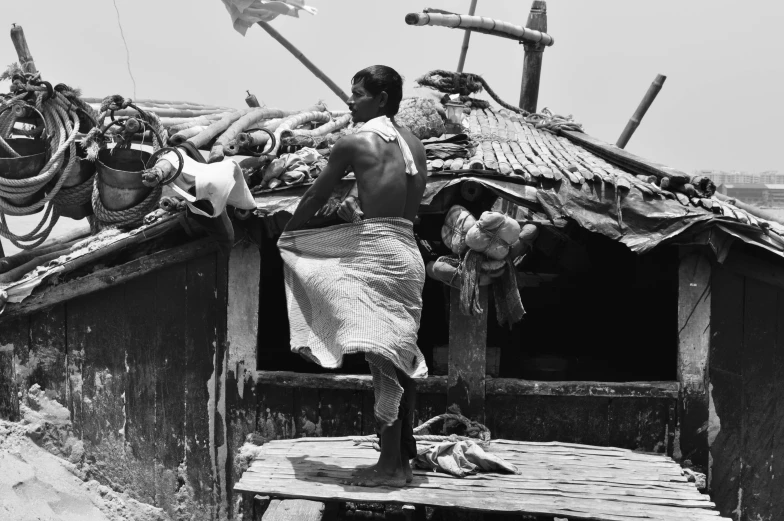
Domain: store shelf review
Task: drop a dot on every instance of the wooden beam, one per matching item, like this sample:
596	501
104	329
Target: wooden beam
105	278
534	52
636	118
466	39
304	60
467	357
624	159
514	387
694	333
756	268
480	24
22	50
352	382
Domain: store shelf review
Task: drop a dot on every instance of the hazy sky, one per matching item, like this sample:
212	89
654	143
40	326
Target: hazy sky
721	106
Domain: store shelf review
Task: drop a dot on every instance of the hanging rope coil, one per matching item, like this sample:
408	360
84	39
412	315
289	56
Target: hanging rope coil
481	434
62	114
465	84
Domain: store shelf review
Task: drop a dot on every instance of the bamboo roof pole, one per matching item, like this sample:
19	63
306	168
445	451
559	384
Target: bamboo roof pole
22	50
480	24
466	38
534	52
646	102
305	61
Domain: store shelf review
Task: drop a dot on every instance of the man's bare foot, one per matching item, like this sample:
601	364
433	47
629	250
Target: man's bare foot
407	470
375	476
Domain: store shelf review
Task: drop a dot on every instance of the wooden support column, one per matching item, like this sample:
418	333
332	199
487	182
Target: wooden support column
466	40
694	333
467	357
534	52
22	50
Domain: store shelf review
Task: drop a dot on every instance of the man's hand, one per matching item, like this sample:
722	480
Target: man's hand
350	210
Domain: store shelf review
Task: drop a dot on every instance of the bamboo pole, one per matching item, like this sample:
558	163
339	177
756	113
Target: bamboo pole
481	24
534	52
305	61
466	38
22	50
646	102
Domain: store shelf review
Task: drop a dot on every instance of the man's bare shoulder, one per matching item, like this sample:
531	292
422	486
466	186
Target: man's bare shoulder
414	143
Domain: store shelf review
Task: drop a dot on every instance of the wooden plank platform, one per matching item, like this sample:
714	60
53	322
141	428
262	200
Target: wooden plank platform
558	479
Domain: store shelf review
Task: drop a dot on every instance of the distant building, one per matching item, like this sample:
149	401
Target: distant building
762	189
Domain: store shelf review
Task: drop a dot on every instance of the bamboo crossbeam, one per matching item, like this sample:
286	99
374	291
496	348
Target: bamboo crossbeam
481	24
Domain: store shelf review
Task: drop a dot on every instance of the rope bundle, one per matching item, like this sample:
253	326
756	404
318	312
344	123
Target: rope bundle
63	115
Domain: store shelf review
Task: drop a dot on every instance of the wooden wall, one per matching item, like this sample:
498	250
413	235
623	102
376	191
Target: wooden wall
139	366
746	427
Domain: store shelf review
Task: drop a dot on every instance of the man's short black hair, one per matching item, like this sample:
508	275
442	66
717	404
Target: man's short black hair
380	78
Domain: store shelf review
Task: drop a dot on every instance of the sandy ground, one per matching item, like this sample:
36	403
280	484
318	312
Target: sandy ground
41	476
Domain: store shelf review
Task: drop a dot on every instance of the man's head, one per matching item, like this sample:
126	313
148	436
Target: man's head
375	91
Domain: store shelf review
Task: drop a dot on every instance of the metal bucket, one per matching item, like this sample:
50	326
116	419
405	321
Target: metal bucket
84	170
33	152
120	178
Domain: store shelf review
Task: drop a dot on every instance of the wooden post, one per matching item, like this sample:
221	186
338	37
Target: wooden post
694	334
466	38
22	50
467	357
634	122
532	66
305	61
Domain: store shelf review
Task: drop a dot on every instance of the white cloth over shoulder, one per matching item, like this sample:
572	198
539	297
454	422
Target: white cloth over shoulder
355	288
219	183
383	127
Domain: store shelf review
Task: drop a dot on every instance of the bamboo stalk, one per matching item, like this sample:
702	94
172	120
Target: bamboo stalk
481	24
22	50
466	38
646	102
305	61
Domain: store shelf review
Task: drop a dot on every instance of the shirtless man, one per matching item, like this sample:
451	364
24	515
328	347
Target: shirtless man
388	186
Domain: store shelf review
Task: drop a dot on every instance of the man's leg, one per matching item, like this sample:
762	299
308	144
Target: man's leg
408	448
388	393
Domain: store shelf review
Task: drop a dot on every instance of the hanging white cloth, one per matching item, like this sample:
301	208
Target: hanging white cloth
383	127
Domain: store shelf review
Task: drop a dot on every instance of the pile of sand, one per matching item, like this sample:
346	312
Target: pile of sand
40	474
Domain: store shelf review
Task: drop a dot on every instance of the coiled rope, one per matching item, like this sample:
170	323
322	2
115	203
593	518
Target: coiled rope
463	84
60	109
481	433
96	139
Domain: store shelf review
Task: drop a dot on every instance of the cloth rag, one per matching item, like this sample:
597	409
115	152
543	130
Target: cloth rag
245	13
355	288
461	458
219	183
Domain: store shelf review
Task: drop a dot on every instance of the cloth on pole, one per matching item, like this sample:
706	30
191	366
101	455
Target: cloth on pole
245	13
355	288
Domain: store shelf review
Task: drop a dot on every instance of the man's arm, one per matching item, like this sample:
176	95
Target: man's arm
318	194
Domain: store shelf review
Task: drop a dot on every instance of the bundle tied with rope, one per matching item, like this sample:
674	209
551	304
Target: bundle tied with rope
62	115
475	430
146	123
464	84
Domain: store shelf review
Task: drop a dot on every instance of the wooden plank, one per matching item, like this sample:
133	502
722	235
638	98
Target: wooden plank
755	268
200	343
354	382
515	387
171	465
46	364
694	333
97	340
222	452
759	407
294	510
13	336
467	357
143	321
107	277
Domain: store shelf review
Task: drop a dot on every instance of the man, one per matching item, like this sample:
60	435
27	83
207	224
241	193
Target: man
357	287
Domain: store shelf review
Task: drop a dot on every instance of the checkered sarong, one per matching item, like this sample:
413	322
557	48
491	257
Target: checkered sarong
356	288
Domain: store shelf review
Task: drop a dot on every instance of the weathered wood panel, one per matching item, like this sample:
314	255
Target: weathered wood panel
46	361
638	423
759	346
170	389
726	388
777	472
341	412
275	412
467	357
694	332
200	345
13	336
